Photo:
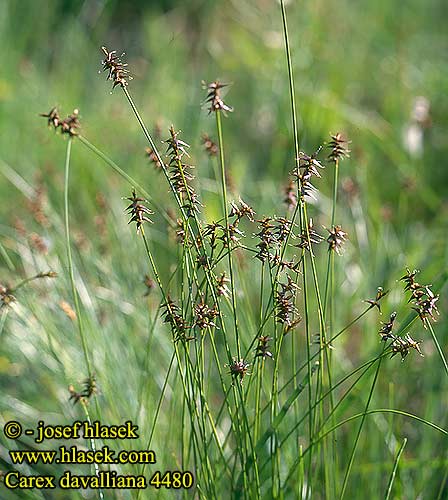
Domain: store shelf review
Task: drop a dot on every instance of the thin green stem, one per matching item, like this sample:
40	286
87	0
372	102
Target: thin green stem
394	470
226	218
127	177
436	343
355	445
70	260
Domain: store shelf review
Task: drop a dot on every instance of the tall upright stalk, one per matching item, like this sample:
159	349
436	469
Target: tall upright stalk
70	260
299	208
226	218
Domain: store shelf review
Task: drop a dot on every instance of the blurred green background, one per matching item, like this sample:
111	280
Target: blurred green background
372	70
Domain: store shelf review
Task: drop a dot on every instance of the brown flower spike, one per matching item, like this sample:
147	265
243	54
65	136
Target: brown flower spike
69	125
239	369
214	98
117	71
138	212
336	239
338	148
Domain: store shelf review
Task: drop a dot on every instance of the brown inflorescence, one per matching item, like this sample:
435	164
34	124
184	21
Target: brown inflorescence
423	299
138	212
338	148
239	369
117	70
180	172
69	125
336	238
214	98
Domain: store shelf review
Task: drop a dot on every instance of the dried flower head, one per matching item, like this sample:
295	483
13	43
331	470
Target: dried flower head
210	146
53	117
386	330
336	238
222	288
173	315
214	98
6	296
242	210
423	299
286	312
404	344
205	315
239	369
138	212
150	284
380	293
308	237
290	198
89	389
267	239
153	158
69	125
338	148
426	306
180	172
262	349
307	167
409	279
117	71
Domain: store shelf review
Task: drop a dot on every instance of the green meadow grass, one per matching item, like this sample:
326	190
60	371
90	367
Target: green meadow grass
358	68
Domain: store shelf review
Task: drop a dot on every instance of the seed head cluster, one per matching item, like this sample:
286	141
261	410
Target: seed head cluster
239	369
205	315
400	345
138	212
309	237
336	239
286	312
338	148
209	145
180	172
262	349
423	299
214	97
172	314
89	389
380	293
68	125
307	167
117	70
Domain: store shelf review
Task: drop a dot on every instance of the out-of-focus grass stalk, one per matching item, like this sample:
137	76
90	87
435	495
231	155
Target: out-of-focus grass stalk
394	470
